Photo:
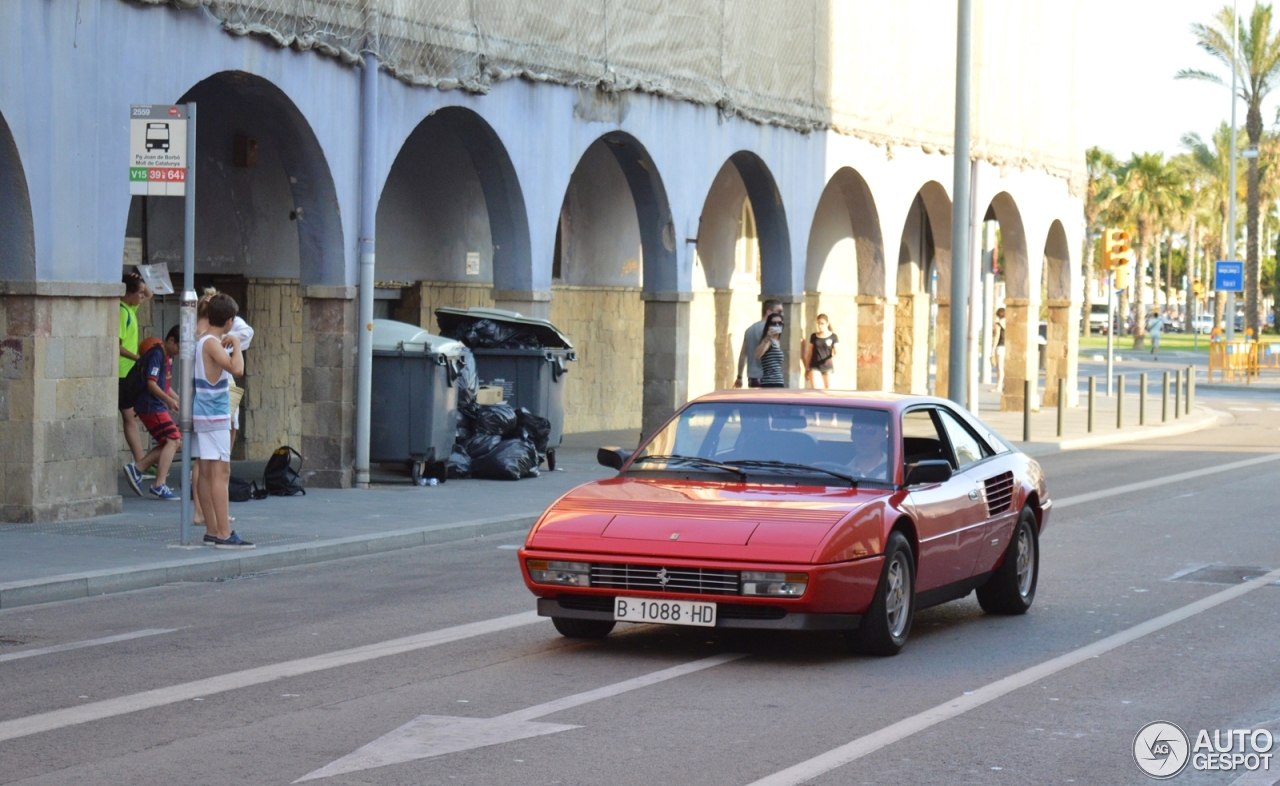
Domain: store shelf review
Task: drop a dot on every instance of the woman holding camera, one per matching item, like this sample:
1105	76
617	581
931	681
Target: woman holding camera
769	353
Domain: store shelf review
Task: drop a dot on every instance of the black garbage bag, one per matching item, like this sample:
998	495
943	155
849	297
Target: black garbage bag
487	334
536	429
459	463
480	444
497	419
463	430
511	460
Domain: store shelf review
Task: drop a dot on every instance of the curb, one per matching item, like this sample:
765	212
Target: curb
1214	418
222	565
1259	388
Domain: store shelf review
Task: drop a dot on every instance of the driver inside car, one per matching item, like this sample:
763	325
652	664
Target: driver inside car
869	436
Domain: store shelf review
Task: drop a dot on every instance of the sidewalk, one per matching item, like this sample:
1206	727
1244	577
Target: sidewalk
40	563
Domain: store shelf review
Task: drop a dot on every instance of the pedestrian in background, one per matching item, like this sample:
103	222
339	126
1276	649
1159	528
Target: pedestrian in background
819	352
211	419
129	386
154	408
769	353
1155	329
751	337
997	357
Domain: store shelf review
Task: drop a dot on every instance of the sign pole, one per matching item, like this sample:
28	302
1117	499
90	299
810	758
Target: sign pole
1111	328
187	352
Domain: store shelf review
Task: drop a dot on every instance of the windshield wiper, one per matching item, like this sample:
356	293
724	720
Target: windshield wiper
695	461
852	481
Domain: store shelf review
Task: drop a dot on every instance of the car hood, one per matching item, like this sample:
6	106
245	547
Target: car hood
697	519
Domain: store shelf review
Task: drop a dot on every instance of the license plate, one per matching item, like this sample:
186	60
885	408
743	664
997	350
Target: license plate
666	612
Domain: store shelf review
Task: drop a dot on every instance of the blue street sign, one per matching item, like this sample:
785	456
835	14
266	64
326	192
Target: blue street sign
1228	276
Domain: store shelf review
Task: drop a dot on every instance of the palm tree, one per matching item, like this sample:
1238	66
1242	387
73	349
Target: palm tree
1100	166
1258	69
1147	192
1212	161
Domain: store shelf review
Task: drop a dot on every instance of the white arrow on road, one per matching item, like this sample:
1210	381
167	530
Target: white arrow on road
435	735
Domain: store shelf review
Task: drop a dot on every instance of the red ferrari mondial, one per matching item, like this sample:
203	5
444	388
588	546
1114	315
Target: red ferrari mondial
795	510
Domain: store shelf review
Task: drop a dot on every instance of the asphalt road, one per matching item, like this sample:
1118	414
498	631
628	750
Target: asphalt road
271	678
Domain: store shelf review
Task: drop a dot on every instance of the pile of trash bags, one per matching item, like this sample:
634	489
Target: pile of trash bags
496	442
487	334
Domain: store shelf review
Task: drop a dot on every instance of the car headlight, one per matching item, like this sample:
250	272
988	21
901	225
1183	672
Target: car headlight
786	585
574	574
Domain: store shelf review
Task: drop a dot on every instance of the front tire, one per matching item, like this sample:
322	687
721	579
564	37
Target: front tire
1012	588
583	629
887	623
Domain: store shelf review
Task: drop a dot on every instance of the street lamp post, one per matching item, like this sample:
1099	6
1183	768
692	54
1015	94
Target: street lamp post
957	382
1231	196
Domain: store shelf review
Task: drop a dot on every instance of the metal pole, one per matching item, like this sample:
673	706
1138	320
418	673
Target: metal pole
1231	192
1142	399
1191	388
187	335
1111	329
1164	398
1119	400
973	262
1177	393
368	221
957	384
1093	392
1062	403
1026	410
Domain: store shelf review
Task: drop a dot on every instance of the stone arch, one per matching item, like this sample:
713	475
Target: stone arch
742	256
268	230
451	218
845	278
1062	327
924	302
17	233
1021	301
615	283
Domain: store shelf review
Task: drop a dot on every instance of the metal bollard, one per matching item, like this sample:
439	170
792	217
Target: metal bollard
1191	388
1177	394
1119	400
1062	403
1093	392
1142	399
1026	410
1164	399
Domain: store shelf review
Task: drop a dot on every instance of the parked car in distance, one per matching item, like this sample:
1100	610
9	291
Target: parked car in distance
801	510
1203	323
1098	322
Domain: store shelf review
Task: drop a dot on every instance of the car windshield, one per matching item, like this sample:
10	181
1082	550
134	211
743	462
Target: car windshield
783	438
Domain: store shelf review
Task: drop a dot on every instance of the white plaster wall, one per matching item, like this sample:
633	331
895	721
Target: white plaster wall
600	240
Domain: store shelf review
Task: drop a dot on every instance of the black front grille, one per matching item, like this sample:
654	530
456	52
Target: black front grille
586	602
741	611
654	578
999	493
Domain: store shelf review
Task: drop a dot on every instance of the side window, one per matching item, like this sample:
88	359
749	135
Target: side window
966	446
920	438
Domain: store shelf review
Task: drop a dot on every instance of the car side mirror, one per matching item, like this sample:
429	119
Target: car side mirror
614	458
927	472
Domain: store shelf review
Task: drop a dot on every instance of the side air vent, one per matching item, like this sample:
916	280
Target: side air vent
999	493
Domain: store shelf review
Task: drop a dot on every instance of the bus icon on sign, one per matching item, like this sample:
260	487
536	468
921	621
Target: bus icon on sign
158	136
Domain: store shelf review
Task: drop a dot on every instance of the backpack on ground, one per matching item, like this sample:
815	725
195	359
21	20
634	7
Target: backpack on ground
280	479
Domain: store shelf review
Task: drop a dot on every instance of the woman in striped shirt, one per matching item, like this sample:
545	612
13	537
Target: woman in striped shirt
769	353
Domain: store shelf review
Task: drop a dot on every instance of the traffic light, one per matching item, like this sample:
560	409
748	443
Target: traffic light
1198	288
1115	249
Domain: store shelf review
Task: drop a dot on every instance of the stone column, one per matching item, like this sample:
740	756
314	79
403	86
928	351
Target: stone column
530	302
272	407
666	355
1022	354
942	346
328	385
875	343
794	326
59	427
1061	352
911	344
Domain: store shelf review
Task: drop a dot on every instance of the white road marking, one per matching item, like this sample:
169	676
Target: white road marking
435	735
72	716
1259	777
852	751
1129	488
76	645
1245	409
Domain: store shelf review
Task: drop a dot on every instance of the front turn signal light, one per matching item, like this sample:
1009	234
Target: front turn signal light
778	585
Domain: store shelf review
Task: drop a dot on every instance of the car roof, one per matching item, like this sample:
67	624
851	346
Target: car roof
895	402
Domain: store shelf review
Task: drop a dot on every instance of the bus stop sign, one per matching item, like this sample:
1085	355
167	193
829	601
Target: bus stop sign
157	150
1228	276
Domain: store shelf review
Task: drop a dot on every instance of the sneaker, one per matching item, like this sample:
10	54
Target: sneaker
164	492
232	542
134	477
210	540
